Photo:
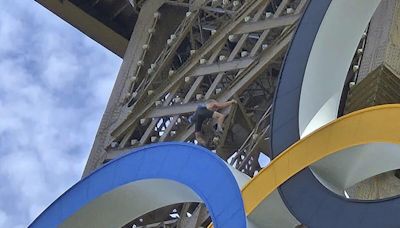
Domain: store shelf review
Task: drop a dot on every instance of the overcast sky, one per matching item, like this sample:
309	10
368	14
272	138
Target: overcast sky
54	85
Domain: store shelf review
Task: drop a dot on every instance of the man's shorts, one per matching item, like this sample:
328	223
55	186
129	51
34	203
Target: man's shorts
202	114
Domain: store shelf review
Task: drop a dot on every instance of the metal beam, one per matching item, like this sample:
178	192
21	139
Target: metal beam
228	123
87	24
211	28
199	215
221	67
172	110
113	108
245	118
205	8
266	24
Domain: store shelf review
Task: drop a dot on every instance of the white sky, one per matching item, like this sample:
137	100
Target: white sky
54	85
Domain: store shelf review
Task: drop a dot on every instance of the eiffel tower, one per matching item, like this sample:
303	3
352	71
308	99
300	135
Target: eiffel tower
178	54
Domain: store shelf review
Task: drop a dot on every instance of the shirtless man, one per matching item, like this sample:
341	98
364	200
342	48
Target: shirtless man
207	111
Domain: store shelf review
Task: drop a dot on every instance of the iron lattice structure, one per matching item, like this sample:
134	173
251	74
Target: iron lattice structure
182	53
215	50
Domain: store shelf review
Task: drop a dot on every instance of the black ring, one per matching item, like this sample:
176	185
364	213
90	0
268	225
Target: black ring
305	197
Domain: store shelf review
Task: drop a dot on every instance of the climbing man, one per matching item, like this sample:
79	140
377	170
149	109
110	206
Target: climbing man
207	111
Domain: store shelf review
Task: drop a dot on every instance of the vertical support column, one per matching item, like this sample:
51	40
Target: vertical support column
383	41
128	65
379	83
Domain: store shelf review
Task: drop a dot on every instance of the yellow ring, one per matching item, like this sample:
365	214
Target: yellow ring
376	124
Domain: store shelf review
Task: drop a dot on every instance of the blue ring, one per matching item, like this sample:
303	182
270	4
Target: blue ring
199	169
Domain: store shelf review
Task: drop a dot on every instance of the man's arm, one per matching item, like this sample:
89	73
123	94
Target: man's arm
222	105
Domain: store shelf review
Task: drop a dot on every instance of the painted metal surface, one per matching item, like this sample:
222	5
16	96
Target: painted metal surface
308	96
372	125
213	182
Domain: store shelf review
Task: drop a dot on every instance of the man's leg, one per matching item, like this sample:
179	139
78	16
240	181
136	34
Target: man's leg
200	139
220	120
